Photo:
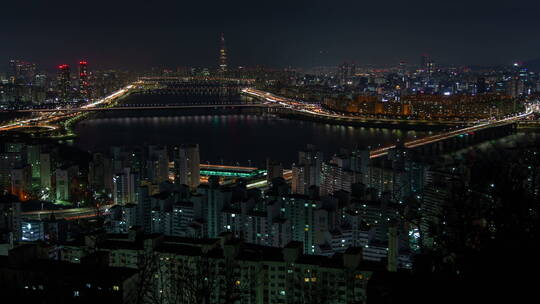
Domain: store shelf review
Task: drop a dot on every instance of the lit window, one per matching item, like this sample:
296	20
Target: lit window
116	288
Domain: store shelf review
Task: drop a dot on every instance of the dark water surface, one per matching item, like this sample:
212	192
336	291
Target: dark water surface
233	138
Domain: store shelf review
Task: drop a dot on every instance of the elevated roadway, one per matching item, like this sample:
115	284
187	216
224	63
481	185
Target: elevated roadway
316	110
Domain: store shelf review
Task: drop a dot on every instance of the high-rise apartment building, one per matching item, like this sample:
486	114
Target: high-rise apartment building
64	82
45	170
10	220
274	169
64	180
11	156
157	164
84	85
21	182
215	199
187	166
33	153
125	185
307	172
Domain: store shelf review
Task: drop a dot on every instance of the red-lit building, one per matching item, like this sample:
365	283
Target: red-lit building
84	86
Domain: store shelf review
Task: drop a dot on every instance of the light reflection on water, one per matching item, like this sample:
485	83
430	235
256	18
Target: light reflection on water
233	138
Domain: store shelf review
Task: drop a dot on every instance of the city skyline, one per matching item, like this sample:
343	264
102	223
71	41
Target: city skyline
140	35
279	152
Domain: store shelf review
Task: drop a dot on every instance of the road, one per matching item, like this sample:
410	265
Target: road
318	111
47	118
67	214
378	152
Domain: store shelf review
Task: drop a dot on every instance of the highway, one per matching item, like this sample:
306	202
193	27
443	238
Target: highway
319	111
47	118
67	214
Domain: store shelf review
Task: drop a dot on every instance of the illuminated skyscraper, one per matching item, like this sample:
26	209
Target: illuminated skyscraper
64	81
222	55
83	79
21	71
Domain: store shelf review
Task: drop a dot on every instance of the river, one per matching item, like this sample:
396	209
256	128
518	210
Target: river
232	138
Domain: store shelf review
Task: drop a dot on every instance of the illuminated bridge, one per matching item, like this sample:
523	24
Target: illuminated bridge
477	130
231	171
470	133
180	79
147	107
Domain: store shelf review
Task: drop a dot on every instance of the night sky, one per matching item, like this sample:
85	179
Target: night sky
273	33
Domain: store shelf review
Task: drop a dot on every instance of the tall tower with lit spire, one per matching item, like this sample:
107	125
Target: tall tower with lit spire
222	55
